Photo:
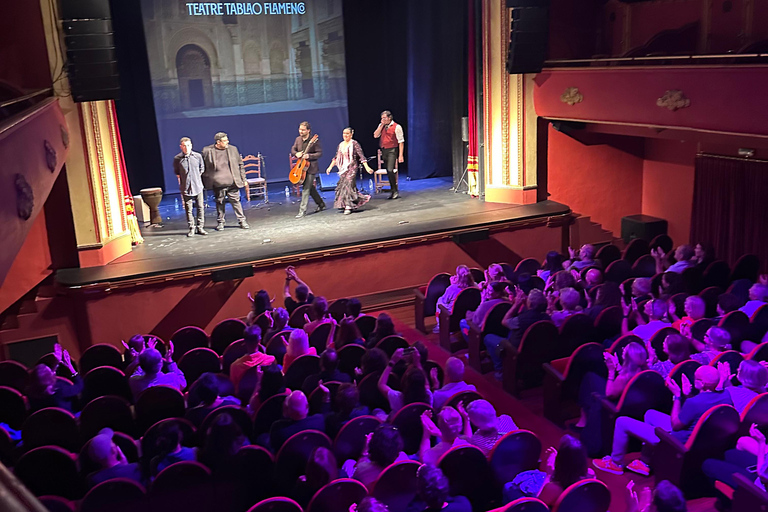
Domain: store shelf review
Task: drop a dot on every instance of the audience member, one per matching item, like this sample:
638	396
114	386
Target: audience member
490	428
260	303
298	345
169	448
497	293
460	281
584	259
553	262
680	423
45	390
279	317
433	493
683	259
296	418
354	308
369	504
726	303
206	388
641	289
758	296
329	372
752	377
453	429
384	327
566	465
222	441
716	340
655	309
608	295
319	314
671	284
383	447
493	274
112	463
321	469
677	348
454	382
414	383
569	303
346	406
695	309
270	384
254	355
593	277
703	255
746	459
665	498
374	360
303	292
347	333
151	364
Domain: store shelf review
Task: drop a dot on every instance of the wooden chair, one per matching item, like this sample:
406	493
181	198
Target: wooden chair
255	182
50	470
322	336
14	375
51	426
577	330
100	354
300	369
187	338
522	366
232	353
635	249
607	254
469	474
408	422
425	298
380	178
350	357
278	504
514	452
103	381
680	463
292	457
158	403
297	318
397	485
467	300
117	494
562	380
491	324
366	324
106	411
338	495
199	361
746	267
584	496
391	343
225	332
350	440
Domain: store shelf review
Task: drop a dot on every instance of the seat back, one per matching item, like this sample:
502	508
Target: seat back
759	323
300	369
338	495
759	353
477	274
56	504
577	330
527	266
392	343
187	338
492	321
732	357
467	300
710	296
278	504
397	485
618	346
514	452
664	242
50	470
366	324
408	422
755	412
158	403
469	474
657	341
13	375
746	267
635	249
297	318
715	432
51	427
717	273
435	289
350	357
687	368
238	414
646	390
693	280
608	323
589	495
117	494
586	358
101	354
317	396
618	271
439	369
225	332
232	353
251	470
263	321
607	254
103	381
184	485
700	328
269	412
199	361
737	325
369	390
13	408
464	398
321	336
350	440
337	309
540	344
248	383
525	505
644	266
292	457
277	345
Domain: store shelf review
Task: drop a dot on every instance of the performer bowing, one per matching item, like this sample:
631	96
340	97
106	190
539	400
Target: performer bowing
311	152
349	156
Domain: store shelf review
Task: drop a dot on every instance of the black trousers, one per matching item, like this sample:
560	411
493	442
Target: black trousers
389	156
231	194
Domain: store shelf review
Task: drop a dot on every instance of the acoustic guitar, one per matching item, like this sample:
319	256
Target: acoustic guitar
299	170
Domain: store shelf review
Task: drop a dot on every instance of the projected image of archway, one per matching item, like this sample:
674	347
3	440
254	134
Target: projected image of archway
193	68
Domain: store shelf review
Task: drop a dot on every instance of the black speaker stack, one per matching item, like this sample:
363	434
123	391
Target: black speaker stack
91	55
528	36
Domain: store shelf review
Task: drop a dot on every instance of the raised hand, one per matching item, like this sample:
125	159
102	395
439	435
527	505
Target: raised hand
152	342
462	410
306	318
129	349
398	355
755	433
68	361
611	361
57	352
673	387
686	386
571	252
323	388
169	352
724	369
630	497
551	455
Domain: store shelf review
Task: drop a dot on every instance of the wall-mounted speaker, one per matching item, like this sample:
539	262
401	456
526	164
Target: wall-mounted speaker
465	129
528	36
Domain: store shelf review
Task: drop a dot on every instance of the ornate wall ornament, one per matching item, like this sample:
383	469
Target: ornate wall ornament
64	136
572	96
25	199
50	156
673	99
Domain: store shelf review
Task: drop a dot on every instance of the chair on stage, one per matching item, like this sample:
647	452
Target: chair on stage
255	181
380	174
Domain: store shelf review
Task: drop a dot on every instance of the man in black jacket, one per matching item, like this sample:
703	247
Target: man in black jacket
303	147
225	174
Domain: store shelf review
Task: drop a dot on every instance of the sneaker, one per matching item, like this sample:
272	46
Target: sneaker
244	225
201	231
396	195
191	232
220	227
300	215
347	211
639	467
320	208
606	464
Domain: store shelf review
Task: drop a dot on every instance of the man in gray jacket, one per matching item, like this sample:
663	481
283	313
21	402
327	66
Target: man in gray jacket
189	167
225	174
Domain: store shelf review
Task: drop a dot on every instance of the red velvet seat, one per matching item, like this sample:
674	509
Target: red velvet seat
618	271
277	345
103	381
522	366
687	368
251	474
524	505
278	504
562	380
732	357
350	357
298	317
467	300
635	249
115	495
187	338
607	254
232	353
292	457
392	343
338	495
759	353
50	470
717	273
620	344
397	485
490	324
51	426
189	437
225	333
350	440
322	336
199	361
184	485
755	412
462	397
514	452
300	369
13	408
14	375
644	266
700	328
238	414
657	341
338	309
317	396
608	323
746	267
100	354
425	303
469	474
577	330
366	324
737	325
710	295
263	321
584	496
106	411
158	403
527	266
408	422
268	412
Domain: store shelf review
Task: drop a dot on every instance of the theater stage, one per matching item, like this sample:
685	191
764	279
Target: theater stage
426	208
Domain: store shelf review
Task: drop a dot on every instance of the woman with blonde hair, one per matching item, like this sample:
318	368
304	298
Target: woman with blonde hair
298	345
460	281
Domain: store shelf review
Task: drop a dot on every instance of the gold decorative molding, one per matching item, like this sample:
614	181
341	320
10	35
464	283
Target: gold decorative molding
572	96
673	99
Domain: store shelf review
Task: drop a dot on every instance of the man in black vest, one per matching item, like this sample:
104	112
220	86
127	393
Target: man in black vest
303	148
225	174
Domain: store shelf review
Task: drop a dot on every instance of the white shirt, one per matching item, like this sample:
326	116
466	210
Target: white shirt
750	307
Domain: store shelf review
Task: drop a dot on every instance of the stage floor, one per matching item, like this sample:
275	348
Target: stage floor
425	206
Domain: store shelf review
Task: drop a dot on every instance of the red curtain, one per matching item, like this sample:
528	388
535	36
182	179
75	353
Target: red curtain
130	207
729	198
472	155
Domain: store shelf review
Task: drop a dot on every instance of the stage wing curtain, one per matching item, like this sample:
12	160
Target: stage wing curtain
130	207
729	206
472	154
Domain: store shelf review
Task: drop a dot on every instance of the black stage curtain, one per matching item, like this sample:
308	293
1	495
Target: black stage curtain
729	206
437	87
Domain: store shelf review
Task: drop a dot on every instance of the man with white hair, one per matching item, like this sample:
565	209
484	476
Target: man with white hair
151	364
490	428
112	463
758	296
454	382
296	418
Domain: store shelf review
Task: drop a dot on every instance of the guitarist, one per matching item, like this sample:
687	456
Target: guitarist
311	152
